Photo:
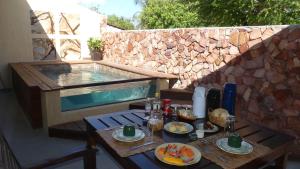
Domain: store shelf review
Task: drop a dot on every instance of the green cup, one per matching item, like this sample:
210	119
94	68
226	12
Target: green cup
235	140
129	130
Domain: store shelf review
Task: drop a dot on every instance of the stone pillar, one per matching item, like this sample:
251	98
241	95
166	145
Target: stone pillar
51	109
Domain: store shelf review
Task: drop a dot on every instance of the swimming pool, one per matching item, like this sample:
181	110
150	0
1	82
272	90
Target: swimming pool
55	92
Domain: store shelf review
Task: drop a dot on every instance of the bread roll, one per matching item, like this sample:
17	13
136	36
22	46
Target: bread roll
218	117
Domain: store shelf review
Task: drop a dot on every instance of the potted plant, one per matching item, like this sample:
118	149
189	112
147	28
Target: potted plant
96	47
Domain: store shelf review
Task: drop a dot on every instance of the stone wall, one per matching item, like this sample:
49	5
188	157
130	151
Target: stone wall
263	61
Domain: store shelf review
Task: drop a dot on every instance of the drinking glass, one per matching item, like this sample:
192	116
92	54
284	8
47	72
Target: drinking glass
229	127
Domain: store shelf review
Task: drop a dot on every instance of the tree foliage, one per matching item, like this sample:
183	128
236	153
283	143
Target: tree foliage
246	12
167	14
120	22
191	13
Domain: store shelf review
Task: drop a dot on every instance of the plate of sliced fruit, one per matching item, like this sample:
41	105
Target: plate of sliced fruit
177	154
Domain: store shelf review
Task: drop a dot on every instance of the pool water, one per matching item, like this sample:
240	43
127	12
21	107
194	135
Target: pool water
104	97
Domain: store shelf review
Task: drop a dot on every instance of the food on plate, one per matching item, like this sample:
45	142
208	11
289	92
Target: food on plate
175	154
172	128
177	127
208	126
218	117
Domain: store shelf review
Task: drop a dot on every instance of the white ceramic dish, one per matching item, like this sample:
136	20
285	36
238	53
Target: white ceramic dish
246	148
118	135
213	130
178	127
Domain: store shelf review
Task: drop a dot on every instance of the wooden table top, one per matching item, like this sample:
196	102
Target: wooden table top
278	142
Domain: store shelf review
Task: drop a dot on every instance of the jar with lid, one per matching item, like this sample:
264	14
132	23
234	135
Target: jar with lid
156	121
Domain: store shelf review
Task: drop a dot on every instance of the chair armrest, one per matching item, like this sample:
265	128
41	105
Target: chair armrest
76	153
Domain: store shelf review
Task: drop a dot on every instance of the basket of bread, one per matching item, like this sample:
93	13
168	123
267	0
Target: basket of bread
185	113
218	116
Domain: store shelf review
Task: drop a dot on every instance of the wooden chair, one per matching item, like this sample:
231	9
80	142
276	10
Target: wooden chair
10	161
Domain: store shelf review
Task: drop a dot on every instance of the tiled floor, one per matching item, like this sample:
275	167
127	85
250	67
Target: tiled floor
34	145
294	163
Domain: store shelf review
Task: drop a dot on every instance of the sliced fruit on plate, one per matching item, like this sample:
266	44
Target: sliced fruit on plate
174	160
177	154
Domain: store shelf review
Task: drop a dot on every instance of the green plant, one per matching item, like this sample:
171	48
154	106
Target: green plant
95	44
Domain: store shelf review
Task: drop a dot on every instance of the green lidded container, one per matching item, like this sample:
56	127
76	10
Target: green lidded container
129	130
235	140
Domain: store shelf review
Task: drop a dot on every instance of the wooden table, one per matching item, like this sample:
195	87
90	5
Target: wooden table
276	141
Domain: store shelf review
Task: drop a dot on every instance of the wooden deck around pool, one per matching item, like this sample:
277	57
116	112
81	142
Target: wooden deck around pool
33	78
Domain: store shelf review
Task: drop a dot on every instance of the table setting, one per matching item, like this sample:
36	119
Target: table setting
130	139
207	128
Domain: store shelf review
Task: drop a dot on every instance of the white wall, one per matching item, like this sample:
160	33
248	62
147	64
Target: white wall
89	22
110	28
15	29
15	36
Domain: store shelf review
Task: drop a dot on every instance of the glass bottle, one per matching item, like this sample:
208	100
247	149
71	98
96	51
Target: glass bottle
148	106
229	97
213	100
175	108
157	97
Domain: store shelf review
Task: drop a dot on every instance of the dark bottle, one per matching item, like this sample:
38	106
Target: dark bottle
229	95
213	100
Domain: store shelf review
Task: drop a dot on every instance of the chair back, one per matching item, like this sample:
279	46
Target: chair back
7	157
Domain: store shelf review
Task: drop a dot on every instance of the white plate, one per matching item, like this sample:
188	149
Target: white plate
196	159
246	148
118	135
177	130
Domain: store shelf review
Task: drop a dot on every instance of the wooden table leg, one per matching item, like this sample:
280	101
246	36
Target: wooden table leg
90	157
281	162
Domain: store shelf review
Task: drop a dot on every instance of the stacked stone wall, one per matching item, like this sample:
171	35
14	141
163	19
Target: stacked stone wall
263	61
